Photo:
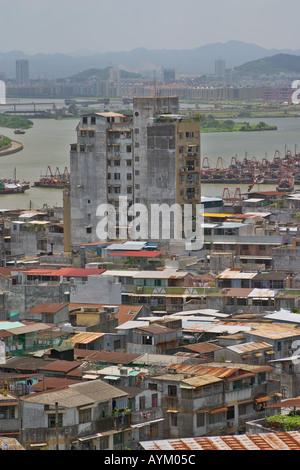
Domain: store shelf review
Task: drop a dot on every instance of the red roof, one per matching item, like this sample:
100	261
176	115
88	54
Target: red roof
139	254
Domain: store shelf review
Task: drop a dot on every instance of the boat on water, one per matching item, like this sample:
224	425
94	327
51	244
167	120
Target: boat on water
283	171
19	131
10	187
286	183
13	186
55	180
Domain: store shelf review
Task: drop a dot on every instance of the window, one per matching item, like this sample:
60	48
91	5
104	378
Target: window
128	148
128	162
93	120
146	339
237	384
91	134
103	410
129	189
137	186
117	176
84	120
137	145
137	159
200	420
172	390
137	172
152	386
85	416
118	438
129	176
51	420
7	412
173	419
117	163
117	344
88	229
142	403
104	443
216	418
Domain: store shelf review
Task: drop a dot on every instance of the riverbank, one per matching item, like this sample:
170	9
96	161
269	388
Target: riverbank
14	148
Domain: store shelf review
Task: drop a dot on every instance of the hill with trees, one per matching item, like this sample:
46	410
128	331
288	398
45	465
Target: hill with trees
274	65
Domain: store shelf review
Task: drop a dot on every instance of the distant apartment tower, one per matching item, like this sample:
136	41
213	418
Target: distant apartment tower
22	72
2	92
114	75
169	75
152	157
220	68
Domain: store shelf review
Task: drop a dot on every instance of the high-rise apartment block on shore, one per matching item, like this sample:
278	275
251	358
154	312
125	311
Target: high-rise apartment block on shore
151	157
22	72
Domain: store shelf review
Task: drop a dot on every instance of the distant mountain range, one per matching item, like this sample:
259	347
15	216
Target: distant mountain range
200	60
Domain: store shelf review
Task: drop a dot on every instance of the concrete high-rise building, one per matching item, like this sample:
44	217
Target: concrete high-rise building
220	68
22	72
2	92
150	158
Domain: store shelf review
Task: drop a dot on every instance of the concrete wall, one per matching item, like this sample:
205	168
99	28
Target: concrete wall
22	298
99	289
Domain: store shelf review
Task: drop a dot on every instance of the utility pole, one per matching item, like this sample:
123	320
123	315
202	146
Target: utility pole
56	424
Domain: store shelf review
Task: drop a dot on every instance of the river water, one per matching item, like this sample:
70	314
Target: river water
47	143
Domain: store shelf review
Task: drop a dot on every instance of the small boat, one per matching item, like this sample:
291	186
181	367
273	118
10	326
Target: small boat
9	187
19	131
13	186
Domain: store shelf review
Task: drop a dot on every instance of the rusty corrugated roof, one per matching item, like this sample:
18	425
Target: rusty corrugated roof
264	441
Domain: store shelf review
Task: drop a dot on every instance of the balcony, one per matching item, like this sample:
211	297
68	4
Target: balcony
10	425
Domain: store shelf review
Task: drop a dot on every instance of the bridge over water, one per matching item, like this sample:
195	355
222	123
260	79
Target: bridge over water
33	109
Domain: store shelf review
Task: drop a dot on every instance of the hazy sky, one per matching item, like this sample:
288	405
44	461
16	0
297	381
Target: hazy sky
65	26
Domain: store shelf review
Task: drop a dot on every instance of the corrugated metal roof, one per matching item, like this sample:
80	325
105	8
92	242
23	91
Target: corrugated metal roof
235	274
48	307
79	394
251	346
262	293
201	380
64	272
275	331
129	325
139	254
85	337
265	441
